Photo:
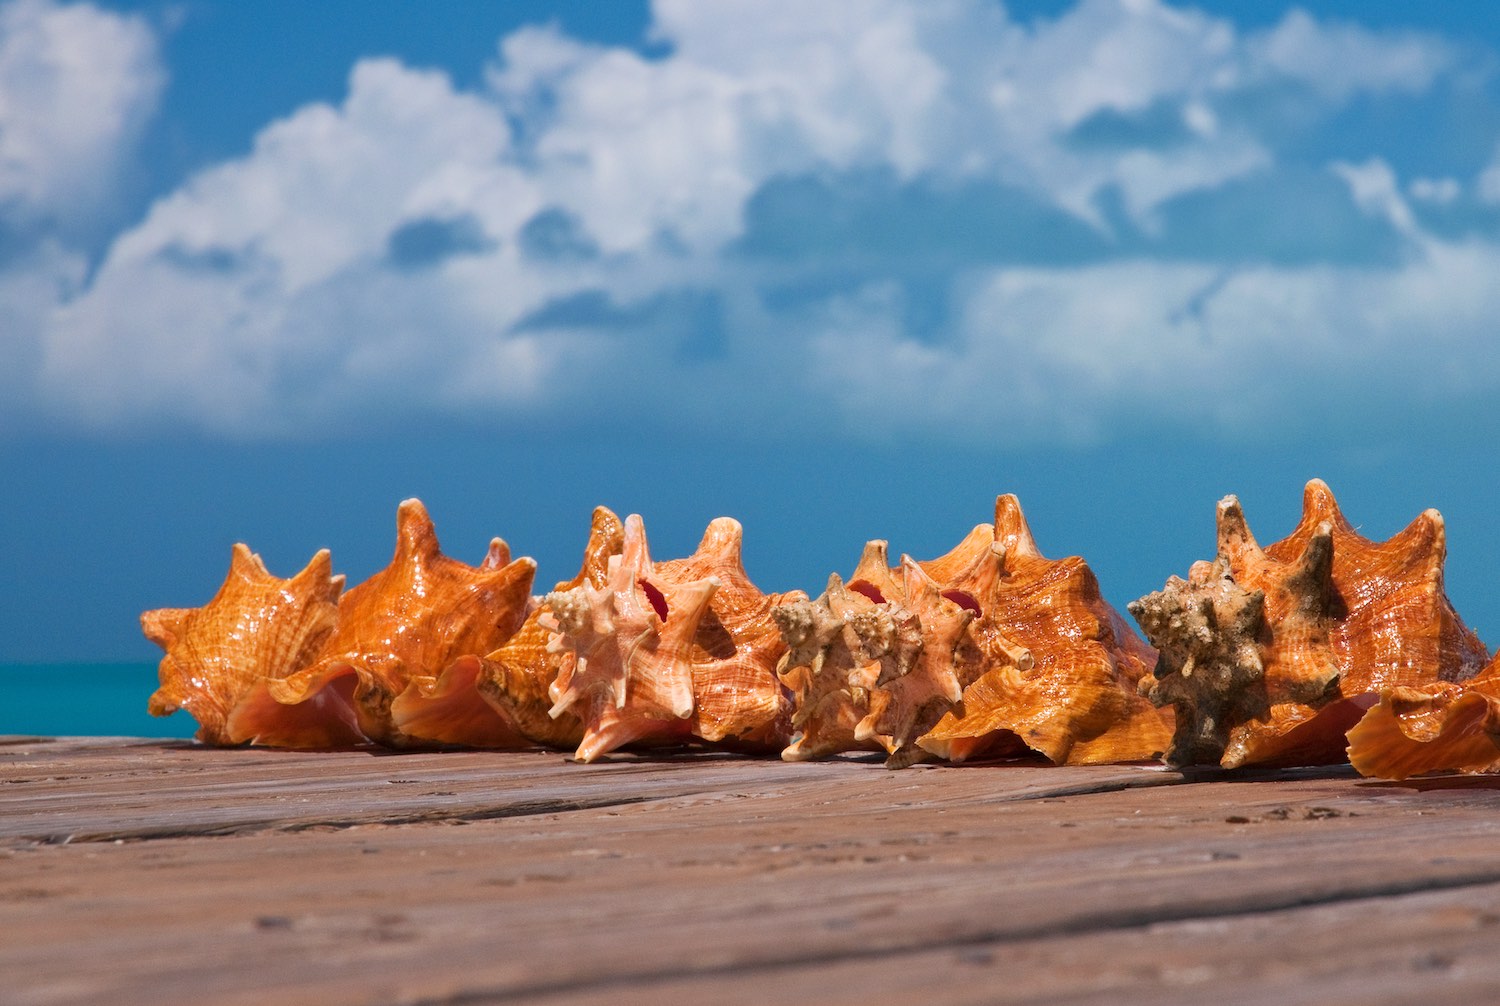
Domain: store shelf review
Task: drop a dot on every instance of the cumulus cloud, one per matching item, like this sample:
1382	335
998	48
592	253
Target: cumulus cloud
1033	229
77	84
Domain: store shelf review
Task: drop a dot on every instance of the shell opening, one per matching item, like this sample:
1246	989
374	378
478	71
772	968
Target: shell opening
868	589
656	597
964	600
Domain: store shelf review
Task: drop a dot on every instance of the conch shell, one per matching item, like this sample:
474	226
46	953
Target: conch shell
990	649
874	664
1431	728
831	670
257	627
1270	655
419	617
1076	700
664	653
501	700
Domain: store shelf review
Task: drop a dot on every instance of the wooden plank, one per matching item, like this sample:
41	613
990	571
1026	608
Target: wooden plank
98	790
749	880
1396	950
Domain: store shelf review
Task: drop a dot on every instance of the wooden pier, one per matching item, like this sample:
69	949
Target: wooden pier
161	872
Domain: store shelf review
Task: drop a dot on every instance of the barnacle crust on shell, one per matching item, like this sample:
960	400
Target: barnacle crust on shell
872	663
1209	668
828	671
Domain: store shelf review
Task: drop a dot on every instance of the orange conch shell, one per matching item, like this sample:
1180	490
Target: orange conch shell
1073	697
989	649
663	653
501	700
416	618
256	627
1431	728
1270	655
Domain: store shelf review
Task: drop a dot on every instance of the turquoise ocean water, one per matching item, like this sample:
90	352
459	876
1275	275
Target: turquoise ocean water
73	700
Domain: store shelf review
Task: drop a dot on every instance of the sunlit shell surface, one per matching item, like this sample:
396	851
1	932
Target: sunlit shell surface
663	653
1270	655
501	700
990	649
416	618
1431	728
256	627
1077	702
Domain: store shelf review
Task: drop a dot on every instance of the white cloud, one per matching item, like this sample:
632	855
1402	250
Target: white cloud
1071	354
1439	191
1488	183
1377	191
1343	59
77	84
379	257
254	298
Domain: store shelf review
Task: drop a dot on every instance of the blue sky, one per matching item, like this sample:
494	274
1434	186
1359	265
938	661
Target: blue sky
841	271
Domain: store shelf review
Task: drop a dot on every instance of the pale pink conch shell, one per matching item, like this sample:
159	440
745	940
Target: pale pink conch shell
1270	655
666	653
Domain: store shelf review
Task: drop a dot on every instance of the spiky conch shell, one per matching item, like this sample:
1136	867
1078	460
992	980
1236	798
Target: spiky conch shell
829	671
1076	701
1438	727
257	626
872	664
991	649
666	653
1270	655
501	700
420	616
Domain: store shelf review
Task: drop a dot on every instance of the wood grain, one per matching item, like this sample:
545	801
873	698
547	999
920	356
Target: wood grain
161	872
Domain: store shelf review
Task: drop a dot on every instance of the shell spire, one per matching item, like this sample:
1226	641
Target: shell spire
1012	530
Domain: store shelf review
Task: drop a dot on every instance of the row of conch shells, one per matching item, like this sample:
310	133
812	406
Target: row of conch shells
432	651
1287	654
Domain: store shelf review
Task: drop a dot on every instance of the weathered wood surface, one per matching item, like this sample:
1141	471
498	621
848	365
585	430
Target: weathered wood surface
159	872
